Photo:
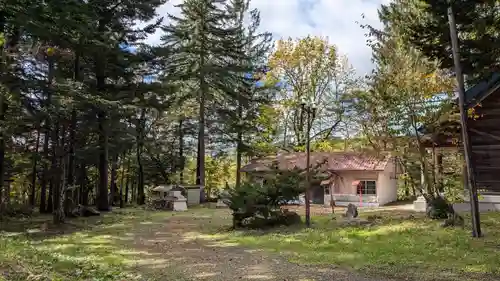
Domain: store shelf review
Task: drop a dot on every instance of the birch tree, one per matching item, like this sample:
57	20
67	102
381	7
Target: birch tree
311	69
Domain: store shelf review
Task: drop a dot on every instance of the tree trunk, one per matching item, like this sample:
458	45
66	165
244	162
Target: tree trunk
133	190
3	107
84	194
181	152
439	172
122	179
46	203
102	196
200	169
50	205
55	133
71	150
434	167
128	179
426	187
285	131
239	146
34	172
100	74
70	179
141	198
45	172
113	187
55	175
425	171
332	198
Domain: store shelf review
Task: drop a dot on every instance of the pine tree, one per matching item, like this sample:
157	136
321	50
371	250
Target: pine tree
107	55
240	117
203	50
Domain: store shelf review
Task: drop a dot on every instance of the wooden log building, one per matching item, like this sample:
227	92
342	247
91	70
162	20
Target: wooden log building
483	103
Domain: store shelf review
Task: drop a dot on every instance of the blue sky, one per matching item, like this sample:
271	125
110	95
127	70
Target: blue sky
297	18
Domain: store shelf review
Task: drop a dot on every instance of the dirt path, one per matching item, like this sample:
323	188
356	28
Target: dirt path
175	242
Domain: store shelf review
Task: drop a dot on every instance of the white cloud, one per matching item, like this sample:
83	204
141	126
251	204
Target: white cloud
333	18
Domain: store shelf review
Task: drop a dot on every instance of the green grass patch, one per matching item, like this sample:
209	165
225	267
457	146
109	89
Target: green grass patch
106	248
396	246
93	249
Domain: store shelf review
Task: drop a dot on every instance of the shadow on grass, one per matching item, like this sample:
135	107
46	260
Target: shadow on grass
97	248
128	245
142	245
397	245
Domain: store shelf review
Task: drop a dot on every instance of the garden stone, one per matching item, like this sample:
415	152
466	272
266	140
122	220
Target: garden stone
352	211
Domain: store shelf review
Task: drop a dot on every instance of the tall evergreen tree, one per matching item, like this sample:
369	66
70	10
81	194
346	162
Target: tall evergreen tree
241	113
107	55
204	50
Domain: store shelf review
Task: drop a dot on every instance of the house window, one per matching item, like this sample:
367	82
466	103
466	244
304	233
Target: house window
367	187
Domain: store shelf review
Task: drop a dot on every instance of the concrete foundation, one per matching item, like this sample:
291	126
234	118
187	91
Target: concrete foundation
357	204
420	205
487	203
220	204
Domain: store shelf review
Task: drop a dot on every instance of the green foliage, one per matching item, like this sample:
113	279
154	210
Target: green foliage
424	24
454	188
438	208
315	73
256	204
220	171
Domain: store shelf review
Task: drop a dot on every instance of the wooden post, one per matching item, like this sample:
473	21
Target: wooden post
476	224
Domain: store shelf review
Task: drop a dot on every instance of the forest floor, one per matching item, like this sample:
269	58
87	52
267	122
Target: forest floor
134	244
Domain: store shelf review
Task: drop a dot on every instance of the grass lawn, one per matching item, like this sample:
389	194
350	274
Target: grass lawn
397	246
107	248
93	249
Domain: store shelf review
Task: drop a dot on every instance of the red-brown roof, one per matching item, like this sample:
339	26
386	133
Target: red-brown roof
330	161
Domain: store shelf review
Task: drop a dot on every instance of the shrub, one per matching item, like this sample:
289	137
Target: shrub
17	210
259	205
281	217
438	208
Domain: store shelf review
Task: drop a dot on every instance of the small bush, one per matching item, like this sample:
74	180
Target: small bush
259	205
438	208
18	210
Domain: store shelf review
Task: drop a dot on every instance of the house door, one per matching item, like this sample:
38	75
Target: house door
317	194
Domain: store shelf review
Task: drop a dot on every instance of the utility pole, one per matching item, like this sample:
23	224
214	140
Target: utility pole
308	175
471	181
310	110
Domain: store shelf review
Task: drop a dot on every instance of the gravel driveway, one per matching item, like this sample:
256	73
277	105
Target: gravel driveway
178	243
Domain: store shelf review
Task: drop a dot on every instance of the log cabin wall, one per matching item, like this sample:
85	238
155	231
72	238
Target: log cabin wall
484	132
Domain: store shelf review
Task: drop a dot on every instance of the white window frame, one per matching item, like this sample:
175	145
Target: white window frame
365	182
